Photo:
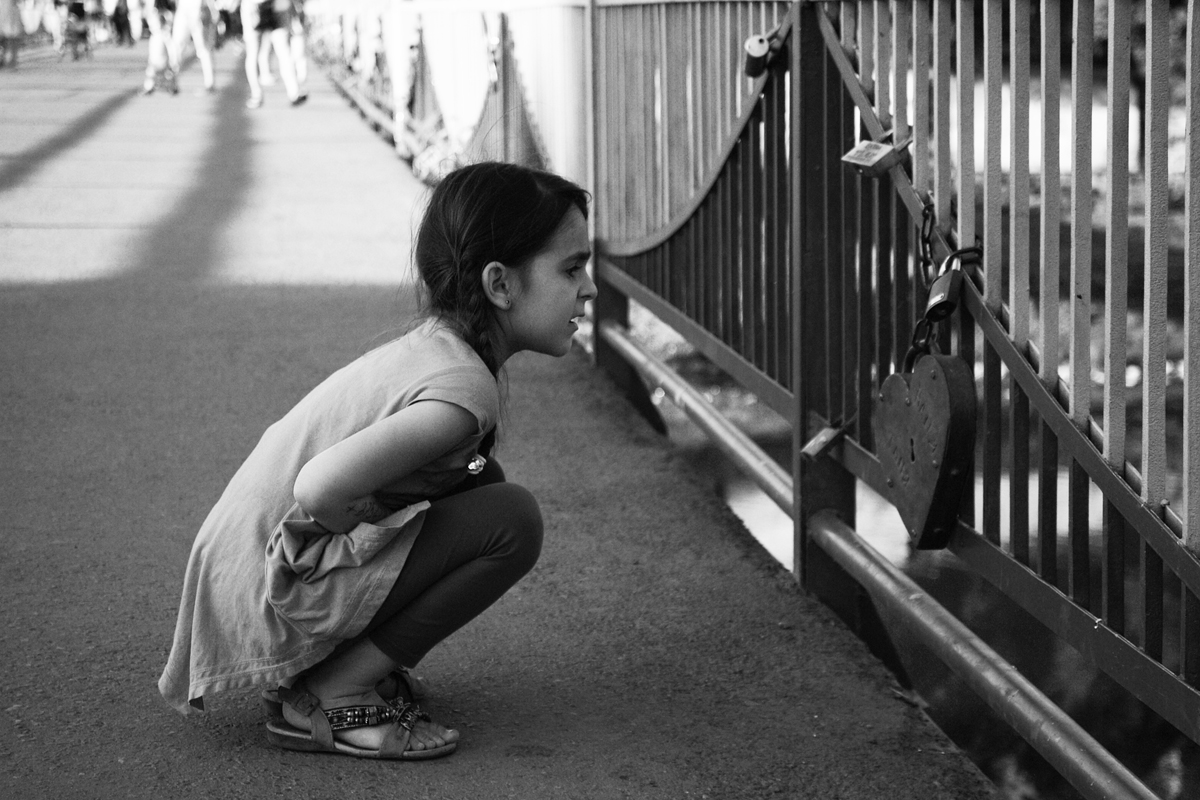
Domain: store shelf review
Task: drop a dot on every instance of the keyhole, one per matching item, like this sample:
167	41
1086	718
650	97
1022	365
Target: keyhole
912	449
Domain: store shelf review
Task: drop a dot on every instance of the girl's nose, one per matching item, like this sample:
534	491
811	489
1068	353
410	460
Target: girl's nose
589	290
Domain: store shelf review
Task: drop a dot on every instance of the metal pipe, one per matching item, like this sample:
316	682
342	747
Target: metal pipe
1079	758
761	468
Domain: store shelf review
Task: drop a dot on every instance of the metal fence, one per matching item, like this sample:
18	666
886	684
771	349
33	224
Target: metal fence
723	206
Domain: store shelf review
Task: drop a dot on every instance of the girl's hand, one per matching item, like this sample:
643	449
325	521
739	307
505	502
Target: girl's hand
337	487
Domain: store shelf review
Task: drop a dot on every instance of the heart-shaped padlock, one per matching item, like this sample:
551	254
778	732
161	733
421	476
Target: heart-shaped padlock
924	424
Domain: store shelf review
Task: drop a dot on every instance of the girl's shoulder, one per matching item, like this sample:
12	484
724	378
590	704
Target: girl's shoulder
432	351
435	342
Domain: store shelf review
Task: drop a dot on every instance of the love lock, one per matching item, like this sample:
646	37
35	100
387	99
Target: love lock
925	441
873	159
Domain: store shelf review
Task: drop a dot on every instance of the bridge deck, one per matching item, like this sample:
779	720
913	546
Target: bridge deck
174	273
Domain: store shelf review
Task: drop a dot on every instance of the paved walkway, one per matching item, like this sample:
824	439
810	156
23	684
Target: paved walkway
175	272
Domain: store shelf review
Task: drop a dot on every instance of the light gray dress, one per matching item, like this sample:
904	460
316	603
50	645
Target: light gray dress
268	592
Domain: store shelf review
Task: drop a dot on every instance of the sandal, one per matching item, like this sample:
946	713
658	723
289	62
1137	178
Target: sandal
408	690
320	739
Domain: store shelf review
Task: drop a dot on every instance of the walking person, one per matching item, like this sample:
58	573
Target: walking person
188	25
263	20
12	30
371	521
157	16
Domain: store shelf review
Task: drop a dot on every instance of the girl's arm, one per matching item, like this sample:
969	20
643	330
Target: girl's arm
336	486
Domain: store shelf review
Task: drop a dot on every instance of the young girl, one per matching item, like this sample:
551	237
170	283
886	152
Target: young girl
369	523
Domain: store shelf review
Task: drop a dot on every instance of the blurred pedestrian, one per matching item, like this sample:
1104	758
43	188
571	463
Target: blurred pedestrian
157	16
119	19
298	40
189	25
12	31
262	20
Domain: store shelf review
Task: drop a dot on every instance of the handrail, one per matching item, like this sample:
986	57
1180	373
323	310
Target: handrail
1048	729
762	469
1078	757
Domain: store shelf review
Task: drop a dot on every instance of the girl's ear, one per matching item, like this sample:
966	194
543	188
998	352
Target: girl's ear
498	284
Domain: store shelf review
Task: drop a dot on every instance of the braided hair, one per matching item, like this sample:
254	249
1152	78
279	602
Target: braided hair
490	211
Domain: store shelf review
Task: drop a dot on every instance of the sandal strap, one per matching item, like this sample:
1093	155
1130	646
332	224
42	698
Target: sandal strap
359	716
408	714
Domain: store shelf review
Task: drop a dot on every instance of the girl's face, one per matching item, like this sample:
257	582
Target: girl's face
551	291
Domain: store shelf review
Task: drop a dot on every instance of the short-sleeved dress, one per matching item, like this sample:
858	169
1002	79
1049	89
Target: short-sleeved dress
268	592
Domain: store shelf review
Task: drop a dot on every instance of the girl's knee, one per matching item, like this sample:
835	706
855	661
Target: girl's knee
521	522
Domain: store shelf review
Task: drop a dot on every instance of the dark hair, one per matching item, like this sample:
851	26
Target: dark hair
490	211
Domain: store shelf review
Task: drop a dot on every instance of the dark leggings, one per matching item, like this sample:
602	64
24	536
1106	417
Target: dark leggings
474	545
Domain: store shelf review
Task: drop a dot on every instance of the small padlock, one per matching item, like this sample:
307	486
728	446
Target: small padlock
873	159
943	294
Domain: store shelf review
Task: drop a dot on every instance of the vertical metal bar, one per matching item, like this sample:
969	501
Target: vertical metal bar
883	62
647	125
622	135
902	36
597	124
753	303
965	140
795	264
1018	271
1048	260
942	166
1081	289
866	46
921	31
1116	301
857	401
1158	99
902	22
883	192
721	76
1190	644
773	166
1191	276
742	202
1154	314
966	122
993	77
833	228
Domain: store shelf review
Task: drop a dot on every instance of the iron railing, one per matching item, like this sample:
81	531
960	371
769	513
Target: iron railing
803	280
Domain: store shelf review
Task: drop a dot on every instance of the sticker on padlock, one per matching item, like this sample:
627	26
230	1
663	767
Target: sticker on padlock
874	158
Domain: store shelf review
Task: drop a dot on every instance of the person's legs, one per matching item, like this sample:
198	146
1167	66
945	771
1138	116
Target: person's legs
287	71
473	547
251	37
203	53
299	51
156	57
265	76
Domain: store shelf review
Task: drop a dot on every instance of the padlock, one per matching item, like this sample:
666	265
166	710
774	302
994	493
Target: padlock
756	47
873	159
943	294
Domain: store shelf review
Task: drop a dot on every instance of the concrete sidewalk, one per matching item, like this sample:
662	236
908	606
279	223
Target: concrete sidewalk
175	272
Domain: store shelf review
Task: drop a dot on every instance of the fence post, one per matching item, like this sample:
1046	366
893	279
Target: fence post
816	261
